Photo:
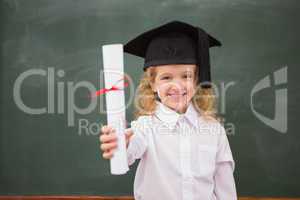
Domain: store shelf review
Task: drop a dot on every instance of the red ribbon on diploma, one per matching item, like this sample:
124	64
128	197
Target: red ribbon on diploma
113	88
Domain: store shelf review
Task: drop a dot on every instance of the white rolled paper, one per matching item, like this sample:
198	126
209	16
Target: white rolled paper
115	103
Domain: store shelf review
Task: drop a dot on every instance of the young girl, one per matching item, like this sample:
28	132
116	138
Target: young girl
183	150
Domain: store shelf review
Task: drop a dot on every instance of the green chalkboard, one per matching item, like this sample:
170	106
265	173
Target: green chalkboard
50	48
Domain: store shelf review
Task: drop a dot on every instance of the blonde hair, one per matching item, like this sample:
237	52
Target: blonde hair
204	99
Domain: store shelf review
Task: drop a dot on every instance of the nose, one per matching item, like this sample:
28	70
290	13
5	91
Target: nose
176	86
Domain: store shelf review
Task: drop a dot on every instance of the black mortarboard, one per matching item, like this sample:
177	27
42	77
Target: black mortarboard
175	43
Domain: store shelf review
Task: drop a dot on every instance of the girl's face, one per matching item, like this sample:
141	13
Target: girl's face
175	85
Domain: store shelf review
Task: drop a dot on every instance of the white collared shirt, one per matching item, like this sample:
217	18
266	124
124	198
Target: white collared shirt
183	157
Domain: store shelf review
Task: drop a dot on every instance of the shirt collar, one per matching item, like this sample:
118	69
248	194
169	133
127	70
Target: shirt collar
170	117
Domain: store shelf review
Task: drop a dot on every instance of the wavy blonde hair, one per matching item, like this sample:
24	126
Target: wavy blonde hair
144	103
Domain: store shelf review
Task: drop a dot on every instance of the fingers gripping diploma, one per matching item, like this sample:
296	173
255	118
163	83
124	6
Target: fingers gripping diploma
109	141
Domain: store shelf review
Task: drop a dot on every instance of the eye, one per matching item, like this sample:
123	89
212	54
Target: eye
165	78
188	76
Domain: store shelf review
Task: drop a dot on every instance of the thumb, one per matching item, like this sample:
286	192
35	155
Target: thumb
128	132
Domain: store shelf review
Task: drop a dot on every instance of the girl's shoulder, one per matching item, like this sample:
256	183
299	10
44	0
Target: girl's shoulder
212	124
207	119
144	121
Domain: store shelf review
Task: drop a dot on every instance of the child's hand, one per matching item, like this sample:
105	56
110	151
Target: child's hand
108	139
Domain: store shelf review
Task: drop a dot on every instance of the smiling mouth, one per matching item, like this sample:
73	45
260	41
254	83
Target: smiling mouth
176	94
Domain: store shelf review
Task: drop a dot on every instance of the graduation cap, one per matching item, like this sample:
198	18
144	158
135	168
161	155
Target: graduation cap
175	43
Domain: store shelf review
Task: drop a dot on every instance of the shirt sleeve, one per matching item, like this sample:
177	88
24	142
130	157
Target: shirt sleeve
139	141
224	180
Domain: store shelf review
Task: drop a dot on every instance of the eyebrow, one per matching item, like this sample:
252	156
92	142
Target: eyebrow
184	72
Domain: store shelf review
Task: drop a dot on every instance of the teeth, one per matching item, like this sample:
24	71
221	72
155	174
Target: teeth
177	94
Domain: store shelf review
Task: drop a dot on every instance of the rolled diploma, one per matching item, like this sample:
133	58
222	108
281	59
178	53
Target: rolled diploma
115	103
